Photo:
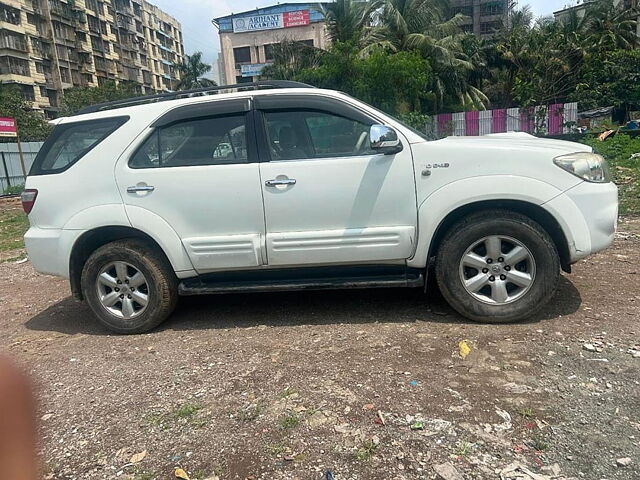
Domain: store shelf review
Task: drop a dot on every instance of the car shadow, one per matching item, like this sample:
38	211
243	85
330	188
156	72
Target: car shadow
296	308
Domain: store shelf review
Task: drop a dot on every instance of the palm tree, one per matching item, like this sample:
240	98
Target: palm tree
290	58
347	20
192	71
521	18
426	26
610	26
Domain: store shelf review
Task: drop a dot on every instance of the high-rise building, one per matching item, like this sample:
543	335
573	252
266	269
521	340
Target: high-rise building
47	46
484	17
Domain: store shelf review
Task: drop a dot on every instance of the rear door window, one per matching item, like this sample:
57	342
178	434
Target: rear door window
219	140
69	142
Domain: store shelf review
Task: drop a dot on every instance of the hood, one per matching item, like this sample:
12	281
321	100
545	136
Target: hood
519	140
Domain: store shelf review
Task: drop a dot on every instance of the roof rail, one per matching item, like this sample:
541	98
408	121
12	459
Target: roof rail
197	92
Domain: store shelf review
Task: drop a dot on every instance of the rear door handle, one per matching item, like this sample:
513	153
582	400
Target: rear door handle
140	188
276	182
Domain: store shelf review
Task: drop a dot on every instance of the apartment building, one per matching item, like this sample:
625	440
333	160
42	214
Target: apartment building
47	46
484	17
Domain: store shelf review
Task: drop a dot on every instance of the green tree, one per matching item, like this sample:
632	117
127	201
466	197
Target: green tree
77	98
611	78
611	26
427	26
290	58
32	126
192	71
369	78
348	20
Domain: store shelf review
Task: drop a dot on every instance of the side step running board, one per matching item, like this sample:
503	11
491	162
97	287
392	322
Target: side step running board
302	279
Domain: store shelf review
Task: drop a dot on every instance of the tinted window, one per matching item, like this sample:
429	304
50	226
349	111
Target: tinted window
69	142
242	54
204	141
315	134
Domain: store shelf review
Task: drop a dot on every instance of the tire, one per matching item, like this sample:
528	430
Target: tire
114	291
463	259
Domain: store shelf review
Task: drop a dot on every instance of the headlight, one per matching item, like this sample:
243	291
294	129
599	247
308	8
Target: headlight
588	166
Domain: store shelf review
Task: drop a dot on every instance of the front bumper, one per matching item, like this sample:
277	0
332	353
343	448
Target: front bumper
588	214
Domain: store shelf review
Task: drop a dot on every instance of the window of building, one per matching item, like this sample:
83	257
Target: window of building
464	10
9	14
268	52
65	75
494	8
241	79
490	27
308	134
43	91
216	140
242	55
308	43
32	19
39	67
16	66
12	41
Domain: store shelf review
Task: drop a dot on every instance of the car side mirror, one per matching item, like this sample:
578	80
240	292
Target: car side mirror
384	140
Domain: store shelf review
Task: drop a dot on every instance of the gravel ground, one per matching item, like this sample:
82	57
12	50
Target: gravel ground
364	384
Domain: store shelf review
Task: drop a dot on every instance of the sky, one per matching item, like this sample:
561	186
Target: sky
200	35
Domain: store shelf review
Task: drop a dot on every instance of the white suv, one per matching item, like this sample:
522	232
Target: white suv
273	186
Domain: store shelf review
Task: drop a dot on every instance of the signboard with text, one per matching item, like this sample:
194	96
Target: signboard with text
271	21
8	127
252	69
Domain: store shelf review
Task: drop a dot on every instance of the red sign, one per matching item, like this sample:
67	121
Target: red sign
8	127
295	19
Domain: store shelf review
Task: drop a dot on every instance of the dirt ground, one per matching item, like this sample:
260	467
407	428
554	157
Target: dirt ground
362	384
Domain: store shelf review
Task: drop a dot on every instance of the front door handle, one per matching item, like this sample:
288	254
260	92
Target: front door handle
140	188
280	181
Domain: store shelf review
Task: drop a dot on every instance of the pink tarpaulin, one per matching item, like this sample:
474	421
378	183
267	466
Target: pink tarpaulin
471	119
527	120
499	121
555	119
444	123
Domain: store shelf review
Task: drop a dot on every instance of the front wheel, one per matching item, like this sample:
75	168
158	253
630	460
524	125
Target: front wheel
130	286
497	266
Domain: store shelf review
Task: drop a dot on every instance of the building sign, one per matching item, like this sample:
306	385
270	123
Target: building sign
295	19
271	21
252	69
8	127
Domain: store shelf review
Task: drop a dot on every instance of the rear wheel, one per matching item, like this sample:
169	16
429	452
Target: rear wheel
130	286
497	266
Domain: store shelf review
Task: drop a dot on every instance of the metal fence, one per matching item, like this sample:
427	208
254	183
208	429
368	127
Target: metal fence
10	169
542	120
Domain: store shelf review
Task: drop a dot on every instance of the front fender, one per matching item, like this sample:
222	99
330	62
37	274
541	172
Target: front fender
437	205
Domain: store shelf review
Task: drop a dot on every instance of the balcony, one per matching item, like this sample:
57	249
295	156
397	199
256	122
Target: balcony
124	23
9	15
61	9
13	43
11	66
